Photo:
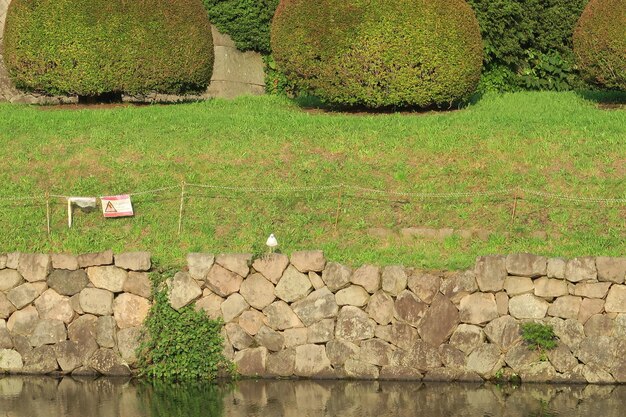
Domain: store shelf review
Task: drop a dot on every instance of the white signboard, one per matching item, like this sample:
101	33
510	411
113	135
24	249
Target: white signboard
117	206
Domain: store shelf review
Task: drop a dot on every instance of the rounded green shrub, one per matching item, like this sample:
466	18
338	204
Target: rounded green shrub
379	53
246	21
96	47
600	43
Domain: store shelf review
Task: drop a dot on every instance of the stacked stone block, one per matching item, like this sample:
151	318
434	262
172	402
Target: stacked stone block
72	314
302	316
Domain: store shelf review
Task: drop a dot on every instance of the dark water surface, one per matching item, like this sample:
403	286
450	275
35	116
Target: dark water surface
105	397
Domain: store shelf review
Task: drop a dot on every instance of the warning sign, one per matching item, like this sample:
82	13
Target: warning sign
117	206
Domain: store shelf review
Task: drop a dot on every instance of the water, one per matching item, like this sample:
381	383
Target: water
85	397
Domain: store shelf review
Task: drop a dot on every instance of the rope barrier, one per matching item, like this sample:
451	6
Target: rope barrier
513	193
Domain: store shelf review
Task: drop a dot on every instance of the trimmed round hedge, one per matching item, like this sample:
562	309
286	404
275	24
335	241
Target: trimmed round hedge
96	47
600	43
379	53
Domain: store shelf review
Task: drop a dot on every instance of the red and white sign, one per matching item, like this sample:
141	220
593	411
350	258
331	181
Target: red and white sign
117	206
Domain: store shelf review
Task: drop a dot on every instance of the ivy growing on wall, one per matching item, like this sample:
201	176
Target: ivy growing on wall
180	345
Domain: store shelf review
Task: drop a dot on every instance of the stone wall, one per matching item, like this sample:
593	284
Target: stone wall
70	314
302	316
235	73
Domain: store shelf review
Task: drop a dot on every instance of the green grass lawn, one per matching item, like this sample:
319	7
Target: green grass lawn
553	142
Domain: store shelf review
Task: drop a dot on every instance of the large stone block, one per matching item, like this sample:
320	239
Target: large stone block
570	332
280	316
457	285
271	266
199	265
134	261
234	305
257	291
211	304
376	352
12	260
421	356
64	261
394	279
293	285
6	307
239	263
238	337
581	269
296	337
106	332
439	322
518	285
271	339
305	261
109	363
311	360
95	259
354	295
362	370
556	268
381	308
281	363
10	361
604	351
22	295
589	307
404	335
130	310
467	337
611	269
504	332
616	299
251	321
96	301
354	324
52	305
478	308
9	278
567	307
83	329
425	286
183	289
251	362
550	288
68	282
367	276
138	283
409	308
490	273
40	360
23	322
339	351
320	304
67	355
222	281
592	289
599	325
48	332
109	278
527	306
321	332
562	359
526	265
485	360
128	341
34	267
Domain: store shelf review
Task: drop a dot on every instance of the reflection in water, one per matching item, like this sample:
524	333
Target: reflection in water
106	397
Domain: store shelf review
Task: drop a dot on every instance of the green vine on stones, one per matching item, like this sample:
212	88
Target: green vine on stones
181	345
